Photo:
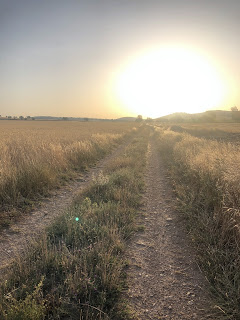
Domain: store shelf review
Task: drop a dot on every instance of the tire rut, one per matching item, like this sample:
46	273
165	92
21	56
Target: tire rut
164	279
14	239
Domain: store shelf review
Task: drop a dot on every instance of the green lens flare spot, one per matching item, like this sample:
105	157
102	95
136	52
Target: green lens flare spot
77	219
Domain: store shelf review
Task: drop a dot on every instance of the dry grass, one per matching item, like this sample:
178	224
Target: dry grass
75	270
206	179
37	156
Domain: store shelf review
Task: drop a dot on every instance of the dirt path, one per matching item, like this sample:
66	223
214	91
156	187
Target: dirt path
164	279
14	239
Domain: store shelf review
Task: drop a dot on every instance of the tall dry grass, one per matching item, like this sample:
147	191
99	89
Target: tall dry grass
76	269
37	156
206	177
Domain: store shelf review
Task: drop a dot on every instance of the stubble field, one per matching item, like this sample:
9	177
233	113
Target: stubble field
222	132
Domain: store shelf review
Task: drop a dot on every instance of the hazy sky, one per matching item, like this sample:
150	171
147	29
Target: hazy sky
62	57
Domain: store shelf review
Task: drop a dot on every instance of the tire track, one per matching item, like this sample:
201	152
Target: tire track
14	239
164	279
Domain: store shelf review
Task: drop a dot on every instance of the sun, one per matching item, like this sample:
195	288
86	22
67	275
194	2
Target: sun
169	80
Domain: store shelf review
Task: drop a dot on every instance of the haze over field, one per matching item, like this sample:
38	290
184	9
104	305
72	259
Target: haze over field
116	58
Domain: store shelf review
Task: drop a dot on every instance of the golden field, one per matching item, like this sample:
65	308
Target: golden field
36	156
76	268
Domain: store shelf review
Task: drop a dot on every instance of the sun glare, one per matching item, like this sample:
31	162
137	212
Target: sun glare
169	80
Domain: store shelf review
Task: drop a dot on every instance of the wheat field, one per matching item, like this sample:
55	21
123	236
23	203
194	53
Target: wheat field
36	156
76	268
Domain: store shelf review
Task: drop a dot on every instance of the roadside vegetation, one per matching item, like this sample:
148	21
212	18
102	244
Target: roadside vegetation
76	269
36	157
206	177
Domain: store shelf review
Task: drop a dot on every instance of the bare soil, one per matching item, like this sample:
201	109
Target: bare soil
14	239
165	281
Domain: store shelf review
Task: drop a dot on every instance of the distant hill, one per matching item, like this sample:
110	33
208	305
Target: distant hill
126	119
82	119
207	116
173	116
47	118
69	118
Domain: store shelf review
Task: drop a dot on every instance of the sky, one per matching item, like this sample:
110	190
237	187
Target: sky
114	58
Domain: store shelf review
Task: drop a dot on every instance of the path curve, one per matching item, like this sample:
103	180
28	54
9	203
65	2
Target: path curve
164	279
